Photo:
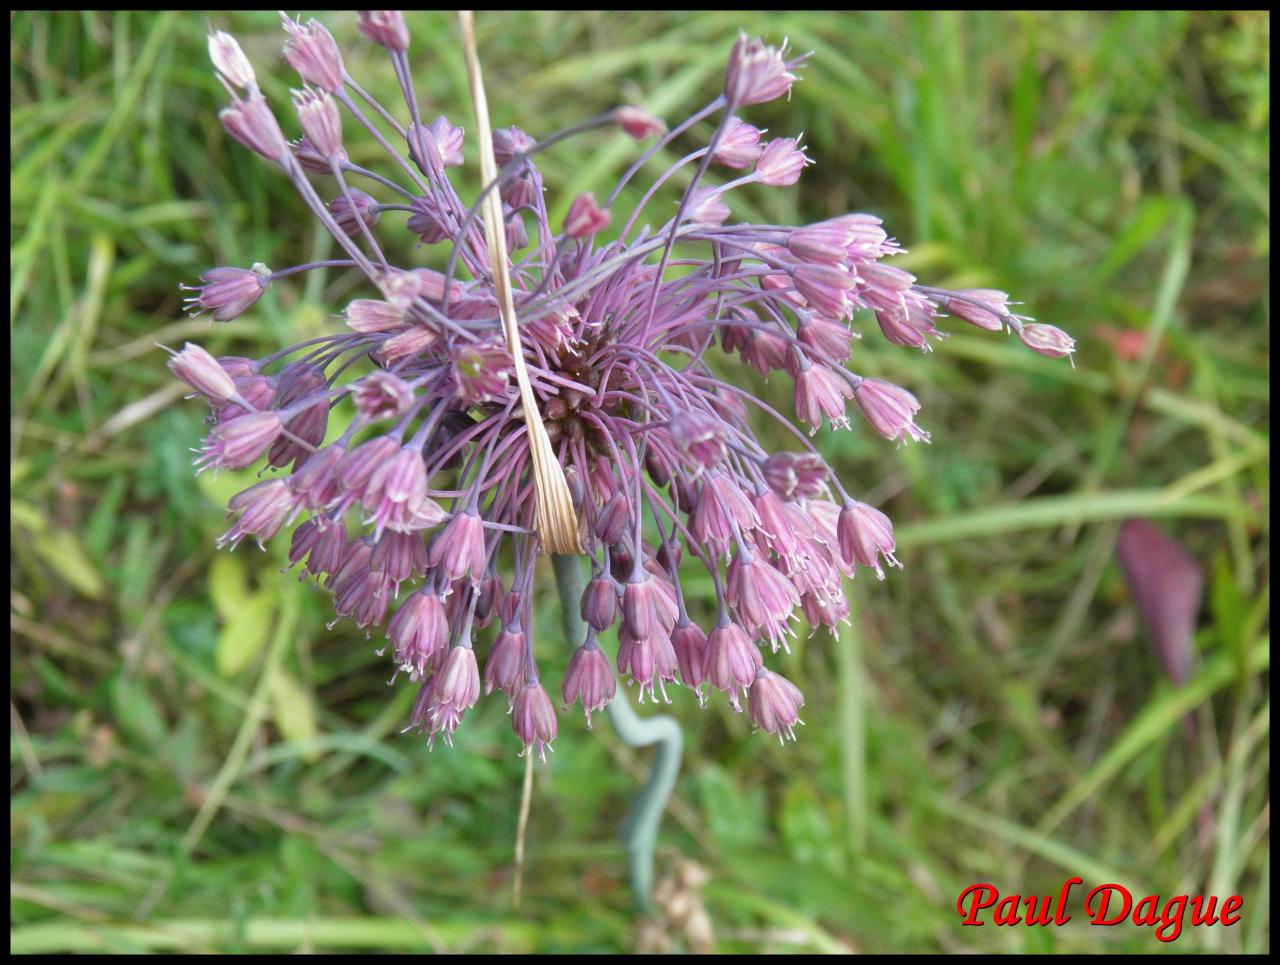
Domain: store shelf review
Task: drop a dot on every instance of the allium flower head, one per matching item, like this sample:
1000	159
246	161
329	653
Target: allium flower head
592	350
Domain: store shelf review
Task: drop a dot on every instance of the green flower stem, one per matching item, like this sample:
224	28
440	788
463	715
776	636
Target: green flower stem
640	829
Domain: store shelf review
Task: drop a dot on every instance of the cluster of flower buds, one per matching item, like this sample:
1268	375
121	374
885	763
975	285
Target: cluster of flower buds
419	516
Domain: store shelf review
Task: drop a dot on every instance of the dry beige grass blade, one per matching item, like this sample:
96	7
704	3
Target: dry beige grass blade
557	522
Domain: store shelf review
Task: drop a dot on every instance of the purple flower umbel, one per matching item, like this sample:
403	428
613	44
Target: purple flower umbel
430	490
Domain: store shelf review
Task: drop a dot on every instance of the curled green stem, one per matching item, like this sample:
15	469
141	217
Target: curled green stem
640	829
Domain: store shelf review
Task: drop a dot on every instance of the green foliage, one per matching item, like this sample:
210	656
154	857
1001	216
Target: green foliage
197	763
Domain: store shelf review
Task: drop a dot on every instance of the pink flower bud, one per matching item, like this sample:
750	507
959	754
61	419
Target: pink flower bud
983	307
427	220
731	660
315	479
263	509
890	409
781	162
756	73
419	631
825	288
368	315
830	338
381	395
457	681
399	556
228	293
826	241
440	141
699	437
773	705
229	60
534	719
791	475
504	669
585	217
821	392
350	212
600	603
481	370
739	145
509	142
311	50
459	548
706	206
385	28
240	442
865	534
690	645
251	122
200	370
639	123
358	466
319	117
1047	340
589	678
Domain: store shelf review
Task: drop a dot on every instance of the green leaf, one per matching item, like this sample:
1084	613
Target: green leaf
294	714
244	632
805	827
27	516
228	585
734	818
1230	608
137	714
64	553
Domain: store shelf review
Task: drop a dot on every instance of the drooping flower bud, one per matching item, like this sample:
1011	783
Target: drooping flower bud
1047	340
739	145
505	667
534	719
639	123
385	28
707	207
481	370
509	142
589	679
381	395
459	548
600	603
890	409
781	162
585	217
821	392
756	73
690	645
419	631
319	117
773	704
731	660
263	509
825	287
200	370
240	442
984	307
700	438
311	50
349	212
229	60
795	475
250	121
864	535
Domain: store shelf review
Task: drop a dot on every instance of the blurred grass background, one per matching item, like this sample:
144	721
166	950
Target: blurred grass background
196	763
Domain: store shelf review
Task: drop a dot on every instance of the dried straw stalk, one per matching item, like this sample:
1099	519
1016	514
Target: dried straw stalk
557	523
